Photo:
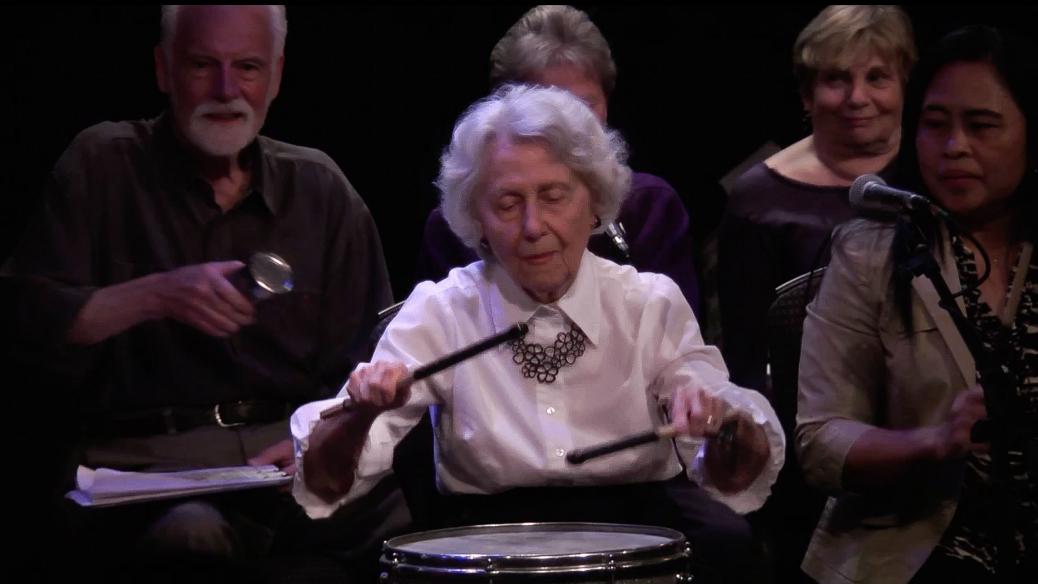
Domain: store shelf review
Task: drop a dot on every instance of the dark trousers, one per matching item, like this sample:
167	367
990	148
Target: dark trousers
723	546
257	535
942	569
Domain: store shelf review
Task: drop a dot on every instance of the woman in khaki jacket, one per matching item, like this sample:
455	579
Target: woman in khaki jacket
889	392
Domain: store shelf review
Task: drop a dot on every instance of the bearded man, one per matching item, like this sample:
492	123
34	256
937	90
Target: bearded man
129	288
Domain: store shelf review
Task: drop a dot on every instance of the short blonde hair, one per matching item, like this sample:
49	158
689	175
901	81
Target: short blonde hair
549	35
841	34
521	113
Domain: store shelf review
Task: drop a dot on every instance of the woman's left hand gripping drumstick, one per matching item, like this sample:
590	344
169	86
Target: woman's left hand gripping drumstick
336	442
737	447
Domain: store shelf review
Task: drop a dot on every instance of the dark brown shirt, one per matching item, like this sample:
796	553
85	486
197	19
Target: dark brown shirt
123	202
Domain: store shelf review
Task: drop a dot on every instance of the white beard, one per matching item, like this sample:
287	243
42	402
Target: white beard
223	139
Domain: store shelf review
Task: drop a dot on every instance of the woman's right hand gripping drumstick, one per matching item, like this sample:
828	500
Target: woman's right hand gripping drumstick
336	442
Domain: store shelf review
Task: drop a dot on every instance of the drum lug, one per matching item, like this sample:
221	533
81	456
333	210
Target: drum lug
394	560
687	576
611	566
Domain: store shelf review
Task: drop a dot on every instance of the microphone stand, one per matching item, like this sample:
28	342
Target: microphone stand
1004	427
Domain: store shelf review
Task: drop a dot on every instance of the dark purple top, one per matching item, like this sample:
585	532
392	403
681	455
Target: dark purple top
653	216
773	230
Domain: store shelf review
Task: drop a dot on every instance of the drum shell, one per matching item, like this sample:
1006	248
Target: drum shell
666	562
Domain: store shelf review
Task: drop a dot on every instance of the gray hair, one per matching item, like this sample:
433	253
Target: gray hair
550	35
521	113
278	24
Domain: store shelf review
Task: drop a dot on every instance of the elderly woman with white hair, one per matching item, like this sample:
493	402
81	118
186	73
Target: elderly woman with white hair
559	46
530	173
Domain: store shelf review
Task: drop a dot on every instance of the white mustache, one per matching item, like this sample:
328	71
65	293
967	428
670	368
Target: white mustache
236	107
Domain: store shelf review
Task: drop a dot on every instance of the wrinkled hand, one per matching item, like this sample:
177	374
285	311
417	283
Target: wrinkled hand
733	459
954	433
379	387
695	412
336	442
201	296
279	454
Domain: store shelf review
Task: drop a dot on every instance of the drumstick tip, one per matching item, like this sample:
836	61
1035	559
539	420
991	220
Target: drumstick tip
576	457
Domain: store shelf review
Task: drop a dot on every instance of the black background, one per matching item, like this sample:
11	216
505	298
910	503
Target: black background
379	88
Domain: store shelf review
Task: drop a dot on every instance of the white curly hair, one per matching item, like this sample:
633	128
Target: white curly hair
520	113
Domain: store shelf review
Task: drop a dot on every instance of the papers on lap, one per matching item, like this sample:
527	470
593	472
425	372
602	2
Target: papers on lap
104	487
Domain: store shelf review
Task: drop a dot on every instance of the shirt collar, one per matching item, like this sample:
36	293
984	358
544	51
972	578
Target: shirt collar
263	175
178	169
582	303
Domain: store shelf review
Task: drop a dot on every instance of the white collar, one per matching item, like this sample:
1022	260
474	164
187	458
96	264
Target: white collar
582	302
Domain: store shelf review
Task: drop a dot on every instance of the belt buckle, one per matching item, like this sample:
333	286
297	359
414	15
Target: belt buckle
219	419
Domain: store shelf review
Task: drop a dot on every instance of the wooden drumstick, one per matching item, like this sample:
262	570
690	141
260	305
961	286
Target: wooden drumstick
725	436
514	332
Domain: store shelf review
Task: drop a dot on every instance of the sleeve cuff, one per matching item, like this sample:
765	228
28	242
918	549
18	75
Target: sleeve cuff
47	310
837	436
760	411
371	468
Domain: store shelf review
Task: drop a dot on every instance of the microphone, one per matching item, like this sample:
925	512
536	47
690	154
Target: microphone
871	193
616	232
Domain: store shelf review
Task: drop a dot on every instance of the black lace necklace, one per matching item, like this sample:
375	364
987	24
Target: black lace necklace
544	362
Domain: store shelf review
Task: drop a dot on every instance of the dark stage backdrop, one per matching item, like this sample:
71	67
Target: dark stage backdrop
379	88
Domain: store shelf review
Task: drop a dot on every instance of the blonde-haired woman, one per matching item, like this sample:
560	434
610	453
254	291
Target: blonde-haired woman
851	63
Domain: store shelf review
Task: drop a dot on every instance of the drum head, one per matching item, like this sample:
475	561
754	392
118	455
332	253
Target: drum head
560	552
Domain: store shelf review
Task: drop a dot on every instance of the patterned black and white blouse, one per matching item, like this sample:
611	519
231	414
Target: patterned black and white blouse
971	538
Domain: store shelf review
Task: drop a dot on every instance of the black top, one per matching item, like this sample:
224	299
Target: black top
123	202
972	536
774	229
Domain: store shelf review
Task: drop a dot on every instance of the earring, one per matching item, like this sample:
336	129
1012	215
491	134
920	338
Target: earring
597	223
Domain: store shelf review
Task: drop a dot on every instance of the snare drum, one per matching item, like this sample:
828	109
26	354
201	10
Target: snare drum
538	552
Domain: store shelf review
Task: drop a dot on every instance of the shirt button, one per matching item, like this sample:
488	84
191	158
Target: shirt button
550	410
560	452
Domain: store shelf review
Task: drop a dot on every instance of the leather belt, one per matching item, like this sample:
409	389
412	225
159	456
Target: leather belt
177	419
